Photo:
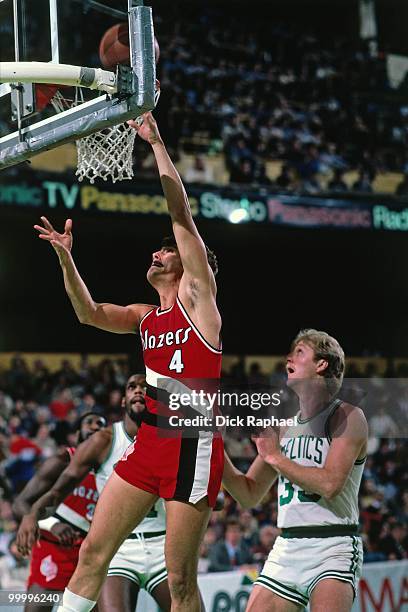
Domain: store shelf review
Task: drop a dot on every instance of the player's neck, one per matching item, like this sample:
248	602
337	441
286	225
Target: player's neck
313	398
167	290
167	296
130	426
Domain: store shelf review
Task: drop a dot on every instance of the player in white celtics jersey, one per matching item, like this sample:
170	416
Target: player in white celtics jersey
139	561
319	462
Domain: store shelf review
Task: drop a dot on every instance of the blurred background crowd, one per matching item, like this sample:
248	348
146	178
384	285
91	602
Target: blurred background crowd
39	409
284	104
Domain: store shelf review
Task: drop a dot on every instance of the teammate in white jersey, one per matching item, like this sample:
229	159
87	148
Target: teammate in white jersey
139	562
319	463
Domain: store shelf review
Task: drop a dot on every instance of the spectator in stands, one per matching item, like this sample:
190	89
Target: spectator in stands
242	173
402	509
382	424
62	404
210	538
199	171
45	442
285	180
363	183
13	569
22	455
256	377
113	411
402	187
337	183
311	184
394	545
249	526
267	537
231	552
6	404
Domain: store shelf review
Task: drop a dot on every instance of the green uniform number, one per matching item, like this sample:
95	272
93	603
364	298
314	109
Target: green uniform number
287	496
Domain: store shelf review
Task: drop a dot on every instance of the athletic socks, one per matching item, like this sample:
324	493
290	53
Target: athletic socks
75	603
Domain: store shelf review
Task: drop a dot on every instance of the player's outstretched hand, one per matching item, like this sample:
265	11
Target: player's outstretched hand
147	129
65	533
27	535
62	243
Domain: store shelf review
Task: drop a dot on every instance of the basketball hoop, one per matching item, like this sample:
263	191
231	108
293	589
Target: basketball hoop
108	154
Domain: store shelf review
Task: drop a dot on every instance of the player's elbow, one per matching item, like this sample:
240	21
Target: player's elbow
17	510
87	316
333	488
246	503
83	318
250	499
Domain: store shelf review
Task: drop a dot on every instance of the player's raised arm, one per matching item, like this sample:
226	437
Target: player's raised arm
109	317
250	488
189	242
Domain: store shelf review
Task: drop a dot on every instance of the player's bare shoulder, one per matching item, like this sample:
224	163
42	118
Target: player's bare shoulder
139	312
349	420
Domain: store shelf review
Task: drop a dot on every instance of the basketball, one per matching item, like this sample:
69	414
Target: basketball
114	47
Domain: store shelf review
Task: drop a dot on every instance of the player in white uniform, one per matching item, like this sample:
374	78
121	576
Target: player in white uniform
139	562
319	463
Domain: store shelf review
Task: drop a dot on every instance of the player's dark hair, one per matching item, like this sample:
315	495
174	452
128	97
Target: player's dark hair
170	241
78	424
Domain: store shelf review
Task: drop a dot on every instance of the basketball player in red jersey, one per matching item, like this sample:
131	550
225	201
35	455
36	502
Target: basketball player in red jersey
55	555
181	341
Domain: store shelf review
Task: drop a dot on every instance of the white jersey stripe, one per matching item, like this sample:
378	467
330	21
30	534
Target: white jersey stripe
203	467
177	387
72	517
197	331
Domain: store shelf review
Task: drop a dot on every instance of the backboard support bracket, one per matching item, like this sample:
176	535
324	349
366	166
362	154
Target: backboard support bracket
99	113
22	95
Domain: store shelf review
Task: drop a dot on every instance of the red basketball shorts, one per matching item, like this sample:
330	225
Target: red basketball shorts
52	565
174	468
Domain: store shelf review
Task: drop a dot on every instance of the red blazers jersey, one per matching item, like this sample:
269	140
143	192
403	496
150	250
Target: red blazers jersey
174	350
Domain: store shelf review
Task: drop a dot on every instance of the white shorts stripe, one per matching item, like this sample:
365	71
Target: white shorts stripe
156	580
203	467
281	590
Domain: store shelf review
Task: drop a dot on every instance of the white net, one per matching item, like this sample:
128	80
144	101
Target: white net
106	154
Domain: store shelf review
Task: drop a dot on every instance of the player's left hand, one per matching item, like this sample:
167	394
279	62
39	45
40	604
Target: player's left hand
27	535
267	444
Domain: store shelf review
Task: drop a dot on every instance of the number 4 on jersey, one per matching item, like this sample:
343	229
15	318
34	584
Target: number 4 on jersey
176	362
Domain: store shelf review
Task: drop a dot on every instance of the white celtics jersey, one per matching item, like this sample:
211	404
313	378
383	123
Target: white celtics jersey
156	519
308	443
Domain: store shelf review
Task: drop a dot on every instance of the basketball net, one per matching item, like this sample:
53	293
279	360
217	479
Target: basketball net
107	154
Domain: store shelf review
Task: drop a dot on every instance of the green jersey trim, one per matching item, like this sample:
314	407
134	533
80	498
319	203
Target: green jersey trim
320	531
327	407
125	432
